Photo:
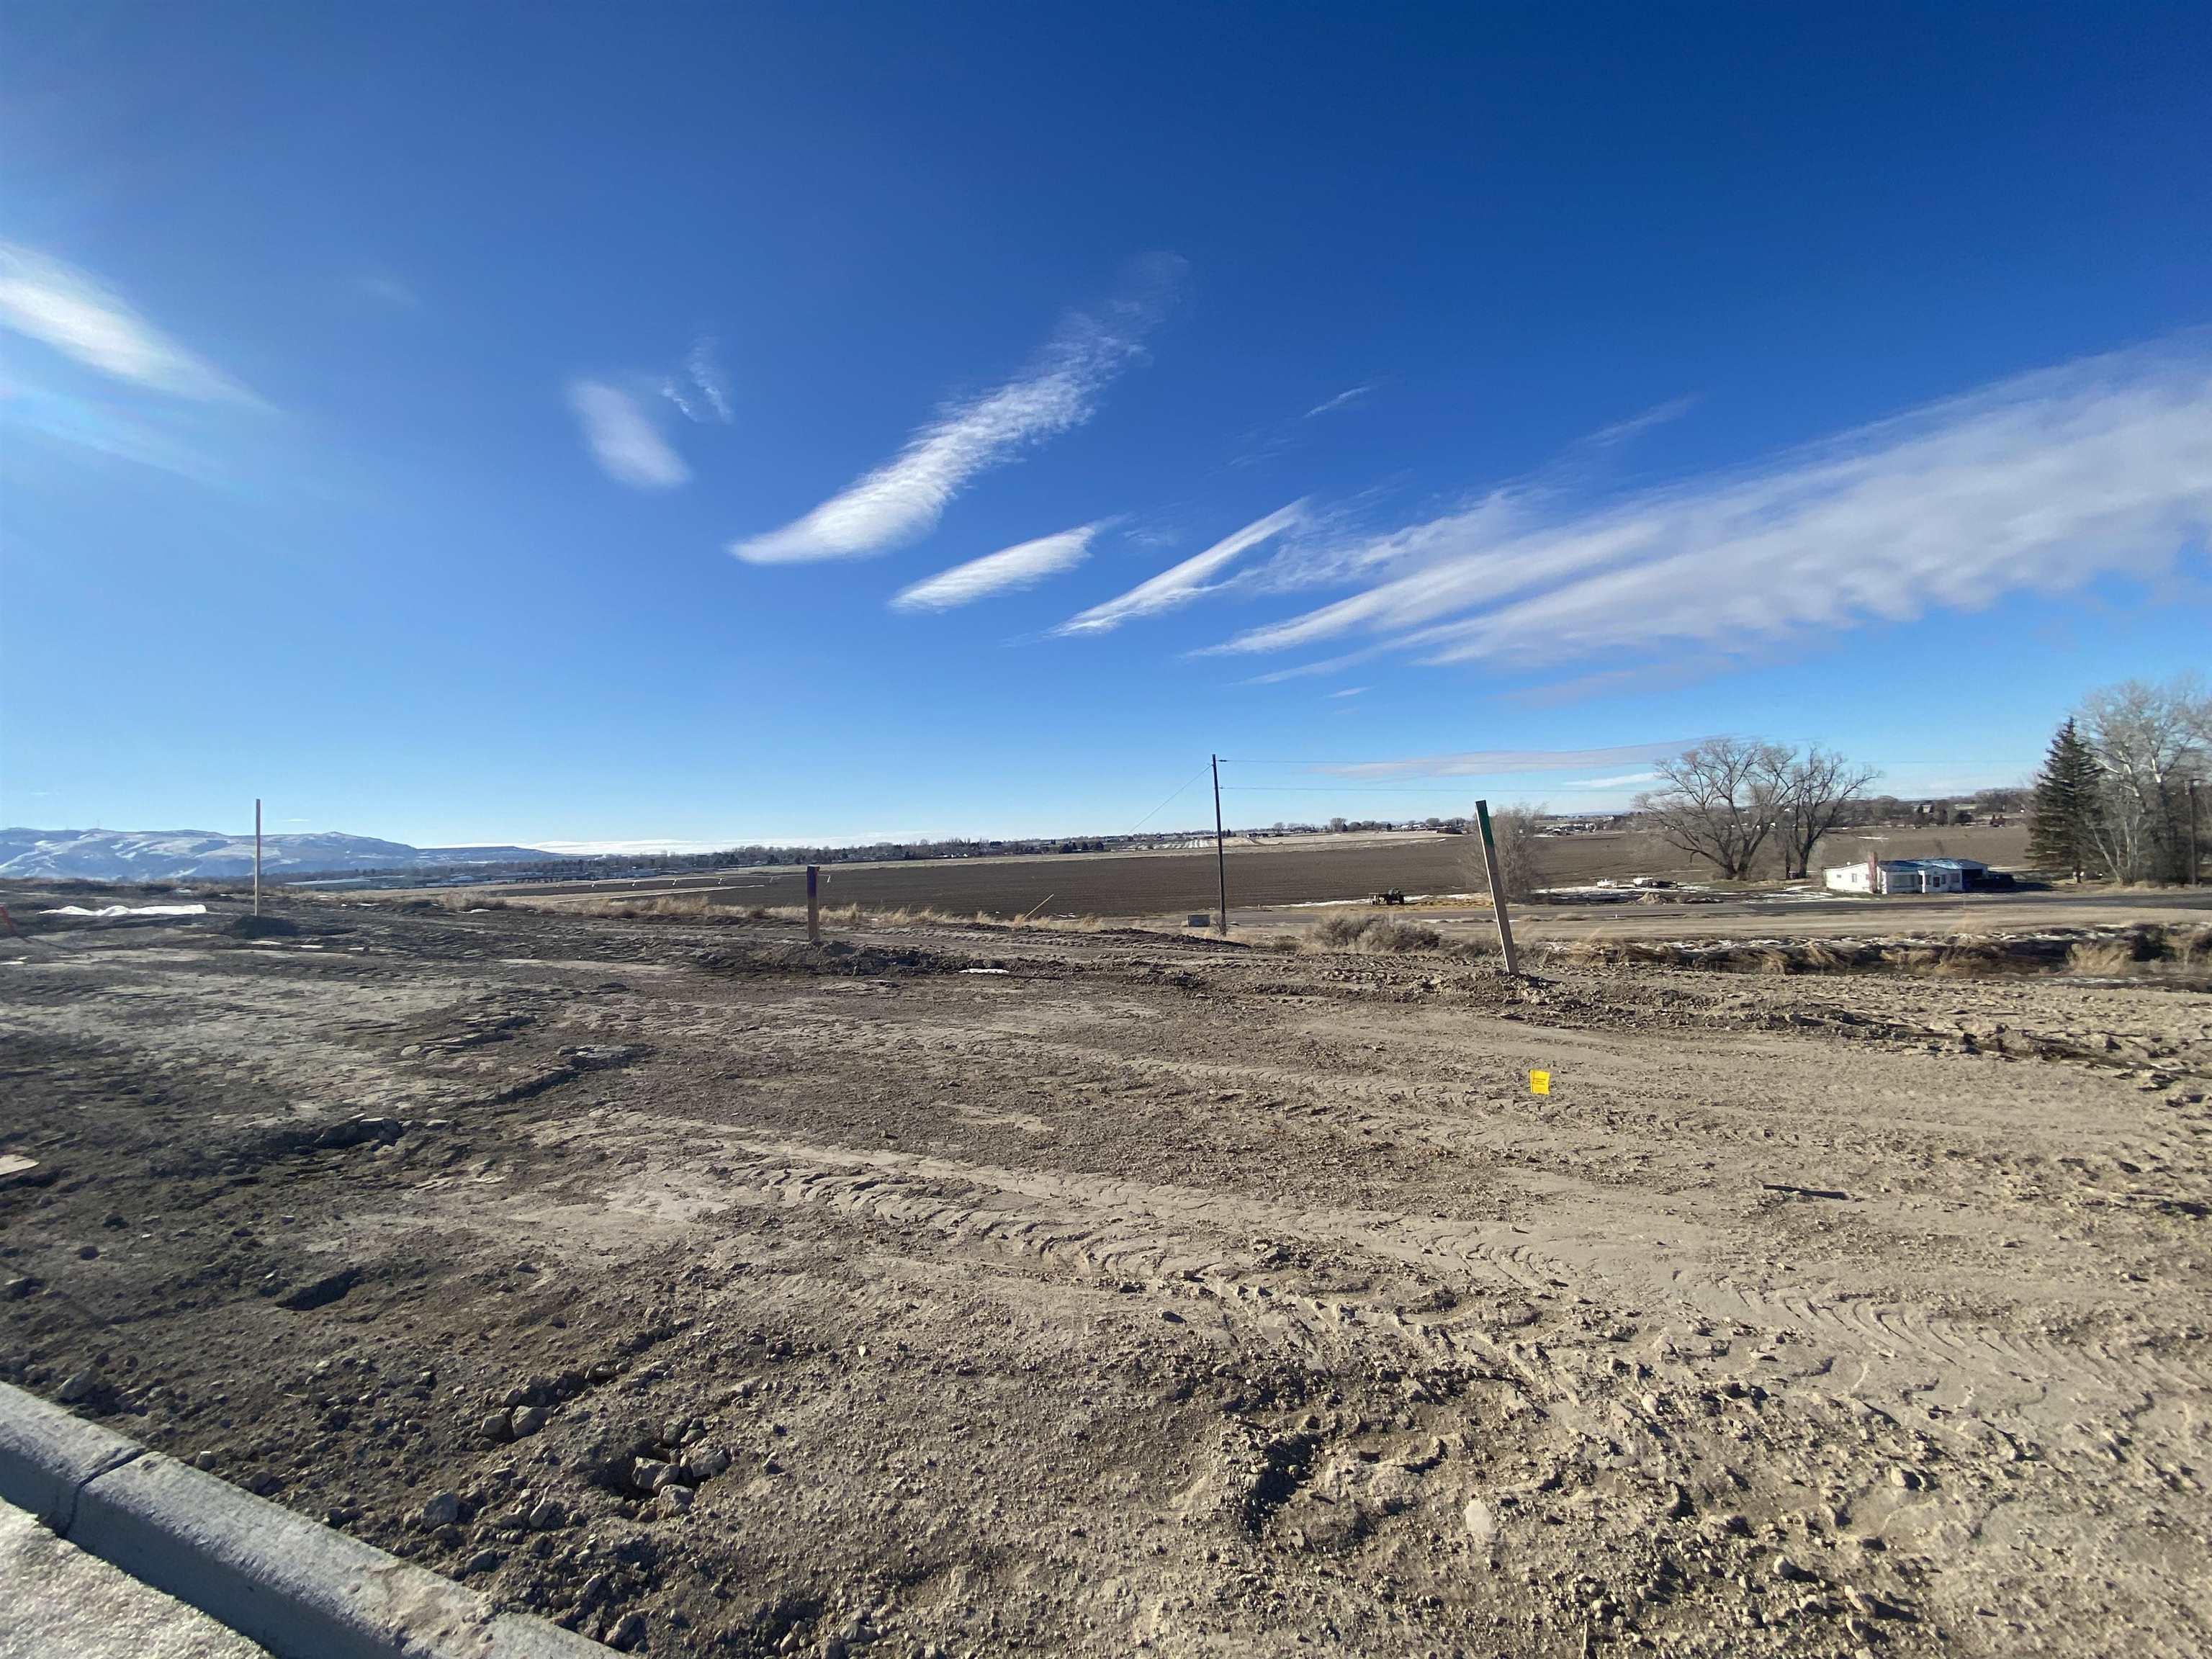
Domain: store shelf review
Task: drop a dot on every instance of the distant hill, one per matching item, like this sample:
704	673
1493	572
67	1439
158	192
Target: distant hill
181	854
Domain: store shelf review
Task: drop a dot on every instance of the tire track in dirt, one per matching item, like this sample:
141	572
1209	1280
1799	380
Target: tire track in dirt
1998	1368
1171	1241
1188	1243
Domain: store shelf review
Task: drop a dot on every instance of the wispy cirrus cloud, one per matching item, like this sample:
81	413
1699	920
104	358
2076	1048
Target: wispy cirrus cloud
2041	483
1178	585
617	417
386	290
1623	780
701	391
65	308
1306	671
623	438
907	495
102	427
1343	399
1635	426
1495	763
1021	565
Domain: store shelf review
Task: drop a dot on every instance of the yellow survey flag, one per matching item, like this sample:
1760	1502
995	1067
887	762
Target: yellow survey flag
1540	1083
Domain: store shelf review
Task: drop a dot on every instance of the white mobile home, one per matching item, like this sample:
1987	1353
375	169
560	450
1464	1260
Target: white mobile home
1886	876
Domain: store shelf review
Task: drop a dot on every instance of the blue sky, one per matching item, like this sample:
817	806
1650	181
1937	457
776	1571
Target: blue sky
689	424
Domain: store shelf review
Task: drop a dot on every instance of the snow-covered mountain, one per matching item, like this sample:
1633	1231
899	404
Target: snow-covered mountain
177	854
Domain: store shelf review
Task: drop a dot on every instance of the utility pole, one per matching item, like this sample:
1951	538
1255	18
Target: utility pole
257	855
1496	891
1220	855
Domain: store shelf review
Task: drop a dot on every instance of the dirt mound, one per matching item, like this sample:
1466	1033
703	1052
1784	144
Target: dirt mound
262	928
2172	955
835	958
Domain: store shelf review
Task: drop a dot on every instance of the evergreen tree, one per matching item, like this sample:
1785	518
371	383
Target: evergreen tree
2062	816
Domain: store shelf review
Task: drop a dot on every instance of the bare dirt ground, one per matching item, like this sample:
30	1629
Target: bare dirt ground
968	1292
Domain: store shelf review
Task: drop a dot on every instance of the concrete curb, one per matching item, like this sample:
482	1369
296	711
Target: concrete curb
47	1456
301	1590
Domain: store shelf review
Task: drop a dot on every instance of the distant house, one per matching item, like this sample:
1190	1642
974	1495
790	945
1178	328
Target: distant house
1940	875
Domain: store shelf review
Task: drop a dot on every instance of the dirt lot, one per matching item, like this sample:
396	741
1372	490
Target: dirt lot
993	1292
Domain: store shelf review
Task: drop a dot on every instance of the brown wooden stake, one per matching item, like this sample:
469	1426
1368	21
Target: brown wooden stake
1496	891
813	903
257	857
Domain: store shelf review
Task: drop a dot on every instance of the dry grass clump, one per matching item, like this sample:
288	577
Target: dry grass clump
1798	957
2103	956
1341	930
1281	941
1375	935
1963	962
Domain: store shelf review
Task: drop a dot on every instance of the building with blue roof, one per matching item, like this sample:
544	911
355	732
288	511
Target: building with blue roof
1934	875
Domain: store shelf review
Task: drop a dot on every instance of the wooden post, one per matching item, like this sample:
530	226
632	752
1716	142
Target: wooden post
813	903
1220	857
1496	891
257	856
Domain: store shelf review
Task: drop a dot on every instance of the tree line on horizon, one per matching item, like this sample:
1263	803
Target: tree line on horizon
2114	800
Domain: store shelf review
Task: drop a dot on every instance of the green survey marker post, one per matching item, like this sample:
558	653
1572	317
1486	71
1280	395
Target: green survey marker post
1496	891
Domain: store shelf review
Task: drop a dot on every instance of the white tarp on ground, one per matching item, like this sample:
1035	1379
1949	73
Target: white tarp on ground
109	912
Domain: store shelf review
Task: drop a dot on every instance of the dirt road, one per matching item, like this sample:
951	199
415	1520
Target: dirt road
963	1291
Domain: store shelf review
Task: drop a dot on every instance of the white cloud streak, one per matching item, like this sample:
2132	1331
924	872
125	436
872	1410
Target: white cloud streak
69	310
1497	763
1022	566
703	393
1343	399
2038	483
1179	584
628	448
907	495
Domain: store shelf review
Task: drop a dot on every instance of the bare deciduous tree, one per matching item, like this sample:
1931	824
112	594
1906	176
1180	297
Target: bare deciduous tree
1514	828
1814	793
2149	741
1720	801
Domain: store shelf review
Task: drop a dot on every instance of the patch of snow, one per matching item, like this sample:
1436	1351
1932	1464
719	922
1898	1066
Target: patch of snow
109	912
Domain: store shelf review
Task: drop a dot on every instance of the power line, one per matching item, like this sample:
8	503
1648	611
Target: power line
1164	804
